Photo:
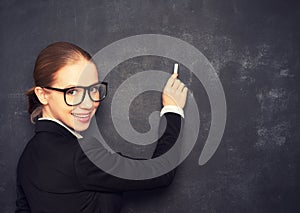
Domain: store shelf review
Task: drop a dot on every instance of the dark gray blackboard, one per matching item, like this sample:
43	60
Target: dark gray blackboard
252	44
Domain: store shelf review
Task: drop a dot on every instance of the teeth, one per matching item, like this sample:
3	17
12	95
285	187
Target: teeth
81	115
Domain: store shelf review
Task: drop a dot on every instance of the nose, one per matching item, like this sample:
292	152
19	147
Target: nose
87	103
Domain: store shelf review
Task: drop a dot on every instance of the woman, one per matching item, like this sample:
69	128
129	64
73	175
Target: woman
54	174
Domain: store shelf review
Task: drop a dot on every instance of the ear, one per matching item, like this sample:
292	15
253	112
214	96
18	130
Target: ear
42	95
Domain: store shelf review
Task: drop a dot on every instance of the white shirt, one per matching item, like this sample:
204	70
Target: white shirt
165	109
172	108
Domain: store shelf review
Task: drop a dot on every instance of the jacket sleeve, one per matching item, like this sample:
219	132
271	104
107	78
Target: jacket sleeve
92	177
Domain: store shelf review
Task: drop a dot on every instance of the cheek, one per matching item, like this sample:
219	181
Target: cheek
65	110
57	103
61	106
96	104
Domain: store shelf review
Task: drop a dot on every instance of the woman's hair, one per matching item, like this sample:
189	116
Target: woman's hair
49	61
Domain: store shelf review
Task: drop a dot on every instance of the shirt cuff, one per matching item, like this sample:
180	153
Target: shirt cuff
172	108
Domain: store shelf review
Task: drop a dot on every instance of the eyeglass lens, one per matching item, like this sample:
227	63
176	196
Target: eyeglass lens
76	95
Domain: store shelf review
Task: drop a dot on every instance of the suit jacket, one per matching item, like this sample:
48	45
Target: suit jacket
55	175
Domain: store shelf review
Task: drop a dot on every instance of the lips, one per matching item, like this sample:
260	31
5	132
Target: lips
82	117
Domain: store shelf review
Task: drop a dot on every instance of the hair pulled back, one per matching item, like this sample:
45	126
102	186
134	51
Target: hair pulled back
49	61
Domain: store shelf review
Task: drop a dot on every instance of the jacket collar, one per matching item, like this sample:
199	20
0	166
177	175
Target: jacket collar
52	126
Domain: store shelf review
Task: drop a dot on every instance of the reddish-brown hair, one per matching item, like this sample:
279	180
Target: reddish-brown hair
49	61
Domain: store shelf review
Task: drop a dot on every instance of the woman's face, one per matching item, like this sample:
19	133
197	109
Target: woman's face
82	73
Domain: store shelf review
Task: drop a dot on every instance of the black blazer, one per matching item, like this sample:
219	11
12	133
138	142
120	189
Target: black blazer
54	174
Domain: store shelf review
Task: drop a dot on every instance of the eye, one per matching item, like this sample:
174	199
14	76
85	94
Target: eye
72	92
94	89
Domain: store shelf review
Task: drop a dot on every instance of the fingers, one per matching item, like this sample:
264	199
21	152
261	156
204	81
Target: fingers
174	75
170	82
184	91
176	83
180	87
174	93
172	79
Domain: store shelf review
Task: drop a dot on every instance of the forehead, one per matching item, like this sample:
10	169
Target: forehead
81	73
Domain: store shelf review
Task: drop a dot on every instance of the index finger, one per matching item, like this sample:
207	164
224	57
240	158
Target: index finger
171	80
174	75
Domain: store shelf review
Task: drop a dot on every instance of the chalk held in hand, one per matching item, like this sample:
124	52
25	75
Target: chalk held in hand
175	69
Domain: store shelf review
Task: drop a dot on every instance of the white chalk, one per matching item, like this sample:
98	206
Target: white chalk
175	69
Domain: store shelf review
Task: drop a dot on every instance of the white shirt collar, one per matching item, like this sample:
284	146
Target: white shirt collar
77	135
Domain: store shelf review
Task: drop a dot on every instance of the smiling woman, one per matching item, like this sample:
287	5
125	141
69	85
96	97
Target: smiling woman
75	68
54	107
54	174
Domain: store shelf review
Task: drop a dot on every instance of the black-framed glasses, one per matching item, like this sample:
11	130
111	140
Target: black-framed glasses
75	95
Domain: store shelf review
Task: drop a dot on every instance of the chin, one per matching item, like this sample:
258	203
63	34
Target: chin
81	127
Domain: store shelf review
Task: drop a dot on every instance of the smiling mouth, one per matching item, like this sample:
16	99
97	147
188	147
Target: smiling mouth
82	117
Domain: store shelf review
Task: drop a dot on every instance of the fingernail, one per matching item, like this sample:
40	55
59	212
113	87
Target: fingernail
174	75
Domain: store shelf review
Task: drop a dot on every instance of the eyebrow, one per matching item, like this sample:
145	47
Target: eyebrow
72	85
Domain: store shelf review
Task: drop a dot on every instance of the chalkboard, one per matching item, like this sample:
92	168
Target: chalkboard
253	46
